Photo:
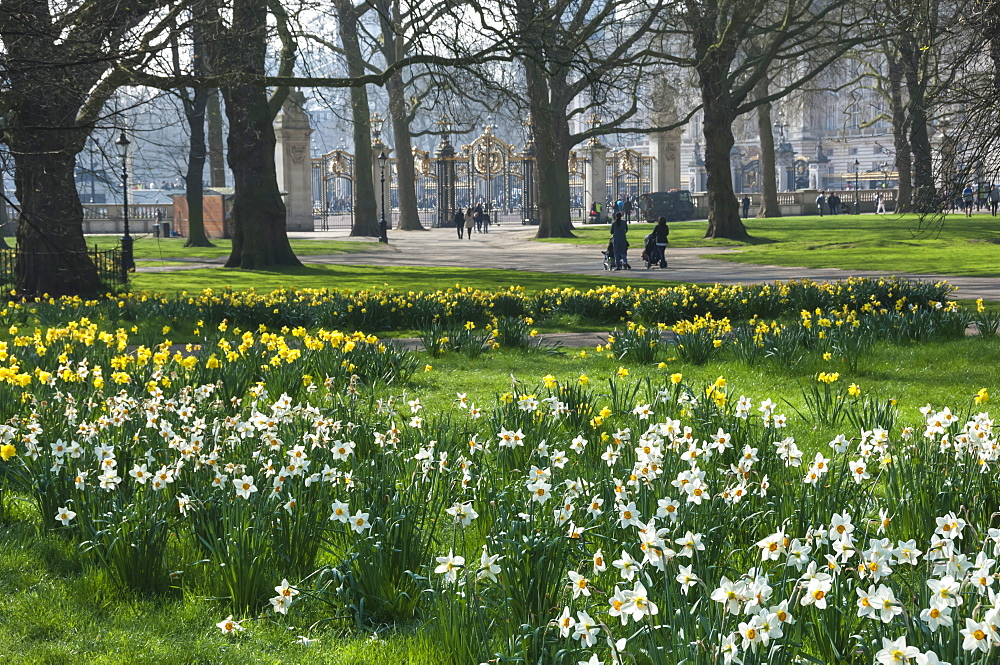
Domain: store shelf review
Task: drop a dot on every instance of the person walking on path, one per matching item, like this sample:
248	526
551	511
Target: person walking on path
627	209
460	222
820	201
879	204
477	216
620	243
994	199
834	202
746	207
967	200
660	233
469	221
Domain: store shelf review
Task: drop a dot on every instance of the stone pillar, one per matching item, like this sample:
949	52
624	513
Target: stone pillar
595	179
814	176
293	162
665	148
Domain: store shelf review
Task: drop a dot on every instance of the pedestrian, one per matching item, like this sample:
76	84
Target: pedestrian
618	230
983	199
594	215
460	222
627	209
486	222
469	221
746	207
879	204
834	202
994	199
477	216
660	233
820	201
967	200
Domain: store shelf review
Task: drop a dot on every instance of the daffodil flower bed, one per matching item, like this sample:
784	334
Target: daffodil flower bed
378	310
666	523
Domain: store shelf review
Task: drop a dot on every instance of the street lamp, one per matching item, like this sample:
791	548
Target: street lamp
128	260
857	167
382	225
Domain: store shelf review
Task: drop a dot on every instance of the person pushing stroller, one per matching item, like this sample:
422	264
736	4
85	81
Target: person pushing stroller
656	244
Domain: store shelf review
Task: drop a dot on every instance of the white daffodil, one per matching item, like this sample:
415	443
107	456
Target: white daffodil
228	626
449	566
896	652
359	522
65	515
244	486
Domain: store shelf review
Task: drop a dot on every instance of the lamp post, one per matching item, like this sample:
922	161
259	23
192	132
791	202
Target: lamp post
128	260
857	167
382	225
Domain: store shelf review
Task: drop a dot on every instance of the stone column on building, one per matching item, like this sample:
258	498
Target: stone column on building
665	148
699	176
595	178
293	162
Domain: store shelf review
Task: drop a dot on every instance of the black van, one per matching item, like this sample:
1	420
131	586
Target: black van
675	205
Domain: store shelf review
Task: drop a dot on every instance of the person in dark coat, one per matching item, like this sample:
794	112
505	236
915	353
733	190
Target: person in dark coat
660	233
746	207
618	231
460	222
477	217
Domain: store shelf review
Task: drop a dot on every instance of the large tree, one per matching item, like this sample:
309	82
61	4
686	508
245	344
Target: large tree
57	66
195	105
800	37
238	51
365	210
570	51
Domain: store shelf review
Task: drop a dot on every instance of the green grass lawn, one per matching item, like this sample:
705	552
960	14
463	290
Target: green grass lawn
366	277
173	248
954	245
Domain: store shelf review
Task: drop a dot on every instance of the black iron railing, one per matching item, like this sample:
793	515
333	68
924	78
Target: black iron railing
107	261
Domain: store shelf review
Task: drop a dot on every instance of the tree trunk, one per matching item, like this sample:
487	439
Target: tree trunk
920	144
723	209
768	179
406	184
52	254
365	209
216	153
904	198
258	216
257	221
194	179
551	133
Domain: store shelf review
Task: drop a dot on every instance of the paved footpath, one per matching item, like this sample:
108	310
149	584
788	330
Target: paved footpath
511	247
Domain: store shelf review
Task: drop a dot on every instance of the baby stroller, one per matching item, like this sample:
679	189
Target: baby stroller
609	257
652	254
